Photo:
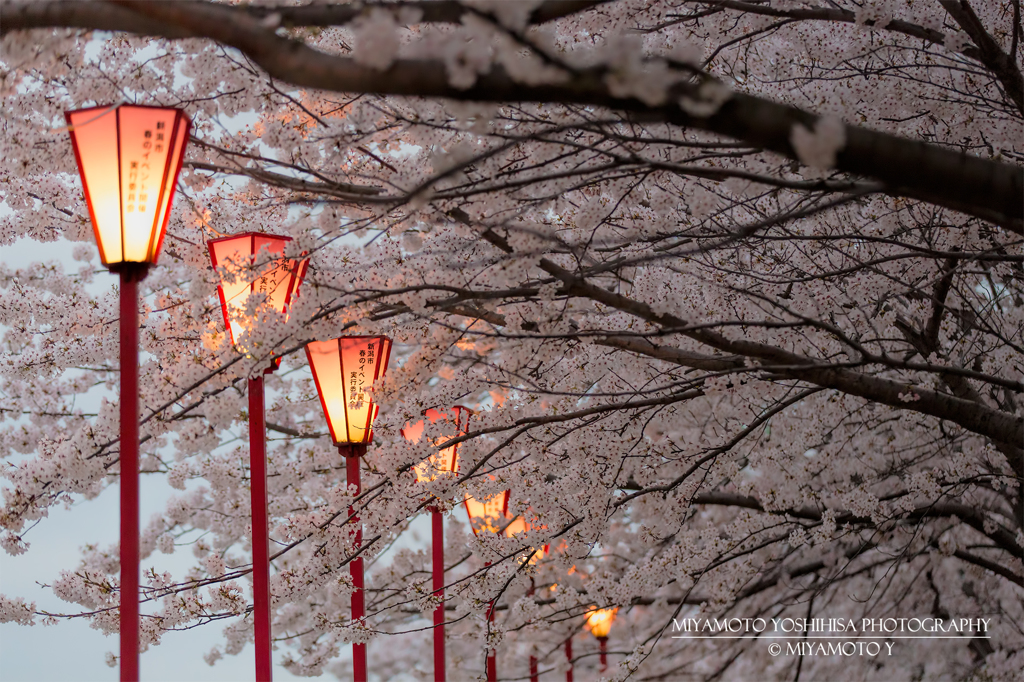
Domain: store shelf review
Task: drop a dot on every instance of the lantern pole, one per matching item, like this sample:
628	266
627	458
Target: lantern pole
603	644
533	659
130	275
353	452
568	657
492	654
260	528
437	544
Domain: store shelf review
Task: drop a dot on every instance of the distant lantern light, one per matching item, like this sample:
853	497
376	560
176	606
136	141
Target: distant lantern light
518	525
599	622
278	281
446	460
344	369
129	157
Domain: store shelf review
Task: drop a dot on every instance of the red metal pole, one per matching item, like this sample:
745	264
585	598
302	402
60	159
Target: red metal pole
492	656
533	659
603	641
260	529
353	455
437	544
129	614
568	657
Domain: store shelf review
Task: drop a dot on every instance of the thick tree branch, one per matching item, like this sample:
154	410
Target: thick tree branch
641	346
985	189
981	419
108	17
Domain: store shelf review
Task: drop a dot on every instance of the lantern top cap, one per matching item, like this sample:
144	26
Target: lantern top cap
111	107
439	411
104	109
349	337
242	235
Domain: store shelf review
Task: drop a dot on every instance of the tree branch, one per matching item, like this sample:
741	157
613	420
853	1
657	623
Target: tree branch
109	17
982	188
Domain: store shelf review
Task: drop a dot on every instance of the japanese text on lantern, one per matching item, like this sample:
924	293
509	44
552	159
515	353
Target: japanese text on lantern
139	171
357	380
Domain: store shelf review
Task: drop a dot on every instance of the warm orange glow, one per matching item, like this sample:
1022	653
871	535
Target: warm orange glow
344	369
599	622
447	459
278	281
489	515
129	157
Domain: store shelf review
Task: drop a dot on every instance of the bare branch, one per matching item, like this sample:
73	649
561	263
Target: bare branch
985	189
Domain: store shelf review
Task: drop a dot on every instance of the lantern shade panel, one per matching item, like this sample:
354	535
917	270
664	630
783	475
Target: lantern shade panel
279	283
446	459
487	515
129	157
344	369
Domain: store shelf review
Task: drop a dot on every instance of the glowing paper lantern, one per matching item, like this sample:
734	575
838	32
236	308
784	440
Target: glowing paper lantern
129	157
599	622
279	281
490	516
344	369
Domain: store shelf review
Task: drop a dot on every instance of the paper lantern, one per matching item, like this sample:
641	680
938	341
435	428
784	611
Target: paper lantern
344	369
129	157
279	281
